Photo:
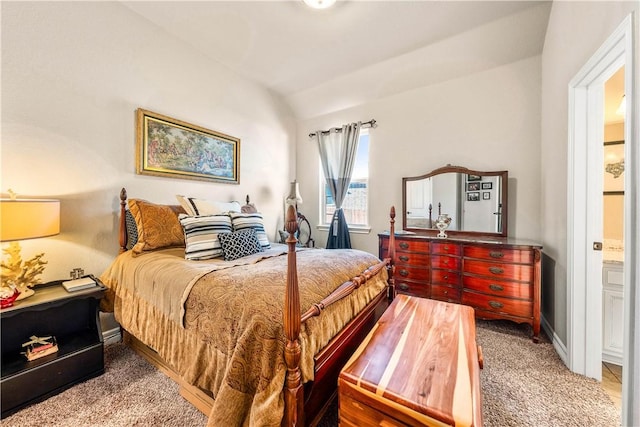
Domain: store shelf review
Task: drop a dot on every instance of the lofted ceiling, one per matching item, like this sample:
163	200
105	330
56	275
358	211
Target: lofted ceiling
290	48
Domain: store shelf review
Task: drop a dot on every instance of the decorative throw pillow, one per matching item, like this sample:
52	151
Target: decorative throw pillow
132	230
201	235
243	221
239	244
194	206
158	226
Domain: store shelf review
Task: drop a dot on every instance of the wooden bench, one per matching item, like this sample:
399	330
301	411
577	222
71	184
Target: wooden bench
420	365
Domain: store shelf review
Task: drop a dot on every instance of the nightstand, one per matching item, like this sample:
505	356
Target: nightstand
73	319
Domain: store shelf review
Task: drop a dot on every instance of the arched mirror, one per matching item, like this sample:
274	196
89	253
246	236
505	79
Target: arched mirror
476	201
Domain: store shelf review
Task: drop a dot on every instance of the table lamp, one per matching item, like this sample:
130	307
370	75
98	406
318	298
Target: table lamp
23	219
294	196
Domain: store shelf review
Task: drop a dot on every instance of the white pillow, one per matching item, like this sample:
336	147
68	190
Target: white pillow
194	206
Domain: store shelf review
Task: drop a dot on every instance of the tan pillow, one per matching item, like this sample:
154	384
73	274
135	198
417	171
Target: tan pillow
158	225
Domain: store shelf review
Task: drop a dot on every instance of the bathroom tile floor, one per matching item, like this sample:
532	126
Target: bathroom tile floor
612	382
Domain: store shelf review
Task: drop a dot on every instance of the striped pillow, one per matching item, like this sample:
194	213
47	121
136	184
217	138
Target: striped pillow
243	221
201	235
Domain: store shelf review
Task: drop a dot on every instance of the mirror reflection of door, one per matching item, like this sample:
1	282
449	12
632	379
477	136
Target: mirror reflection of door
418	199
482	209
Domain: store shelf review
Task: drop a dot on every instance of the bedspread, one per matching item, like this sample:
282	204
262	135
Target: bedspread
232	343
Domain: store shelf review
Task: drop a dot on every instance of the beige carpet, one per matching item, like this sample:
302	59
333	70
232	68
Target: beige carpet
524	384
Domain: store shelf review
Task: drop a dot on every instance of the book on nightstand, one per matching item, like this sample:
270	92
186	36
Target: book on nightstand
40	346
79	284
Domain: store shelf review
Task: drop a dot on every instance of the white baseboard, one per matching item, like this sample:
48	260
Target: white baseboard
558	345
112	336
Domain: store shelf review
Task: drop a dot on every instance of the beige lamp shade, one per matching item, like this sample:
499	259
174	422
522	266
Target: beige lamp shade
29	218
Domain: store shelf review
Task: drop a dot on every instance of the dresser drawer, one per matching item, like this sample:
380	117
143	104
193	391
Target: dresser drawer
445	261
445	248
522	273
445	277
412	245
405	272
491	303
413	288
415	259
445	293
523	256
498	288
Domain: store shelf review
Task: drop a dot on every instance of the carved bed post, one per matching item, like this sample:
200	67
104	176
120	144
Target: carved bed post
293	391
123	226
392	252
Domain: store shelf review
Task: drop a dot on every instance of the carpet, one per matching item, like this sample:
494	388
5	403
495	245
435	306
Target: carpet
523	384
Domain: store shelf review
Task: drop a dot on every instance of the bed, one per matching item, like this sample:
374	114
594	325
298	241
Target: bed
255	340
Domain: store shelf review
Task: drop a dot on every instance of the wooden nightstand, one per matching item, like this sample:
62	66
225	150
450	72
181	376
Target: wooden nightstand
73	319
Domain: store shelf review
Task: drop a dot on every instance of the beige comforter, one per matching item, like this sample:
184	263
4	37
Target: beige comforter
220	326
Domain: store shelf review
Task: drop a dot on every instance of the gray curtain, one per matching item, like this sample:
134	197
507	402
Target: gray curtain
338	150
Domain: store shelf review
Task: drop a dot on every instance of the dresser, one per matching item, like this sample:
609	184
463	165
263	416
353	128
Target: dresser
499	278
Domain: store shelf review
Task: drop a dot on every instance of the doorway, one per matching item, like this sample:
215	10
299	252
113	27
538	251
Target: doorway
585	215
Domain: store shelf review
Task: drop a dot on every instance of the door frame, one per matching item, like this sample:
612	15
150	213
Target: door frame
584	215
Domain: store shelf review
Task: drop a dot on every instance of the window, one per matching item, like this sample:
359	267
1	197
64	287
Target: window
356	203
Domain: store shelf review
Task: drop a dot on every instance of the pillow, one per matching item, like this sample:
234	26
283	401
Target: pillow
194	206
249	208
243	221
158	226
239	244
201	235
132	230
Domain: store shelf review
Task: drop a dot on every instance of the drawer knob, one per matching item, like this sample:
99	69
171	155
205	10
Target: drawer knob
496	270
403	286
446	262
403	273
446	277
496	304
495	287
404	245
446	248
404	258
496	254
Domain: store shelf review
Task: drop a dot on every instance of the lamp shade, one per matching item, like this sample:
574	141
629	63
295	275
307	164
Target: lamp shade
23	219
294	196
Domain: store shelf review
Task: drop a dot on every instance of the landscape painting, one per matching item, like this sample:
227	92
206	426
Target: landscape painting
173	148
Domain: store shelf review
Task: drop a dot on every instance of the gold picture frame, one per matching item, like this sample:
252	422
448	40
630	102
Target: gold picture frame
172	148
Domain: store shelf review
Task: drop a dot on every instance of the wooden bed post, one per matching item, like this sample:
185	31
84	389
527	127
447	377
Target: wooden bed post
293	391
123	225
392	252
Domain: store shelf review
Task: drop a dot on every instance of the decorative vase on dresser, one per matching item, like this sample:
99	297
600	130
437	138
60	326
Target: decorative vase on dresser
476	264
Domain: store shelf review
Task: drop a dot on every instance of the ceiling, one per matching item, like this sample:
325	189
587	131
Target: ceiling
290	48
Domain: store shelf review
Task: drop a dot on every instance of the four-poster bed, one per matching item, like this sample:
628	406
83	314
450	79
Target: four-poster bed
299	382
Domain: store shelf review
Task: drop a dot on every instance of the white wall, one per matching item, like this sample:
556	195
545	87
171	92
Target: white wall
485	121
576	30
73	74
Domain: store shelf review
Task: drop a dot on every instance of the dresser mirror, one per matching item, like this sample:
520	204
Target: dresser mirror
475	201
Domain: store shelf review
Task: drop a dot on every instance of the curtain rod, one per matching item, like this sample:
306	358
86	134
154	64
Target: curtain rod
370	124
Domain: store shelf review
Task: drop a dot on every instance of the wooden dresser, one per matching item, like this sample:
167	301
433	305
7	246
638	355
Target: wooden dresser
499	278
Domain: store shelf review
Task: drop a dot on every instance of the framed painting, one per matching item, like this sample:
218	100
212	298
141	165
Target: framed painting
176	149
614	167
474	178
